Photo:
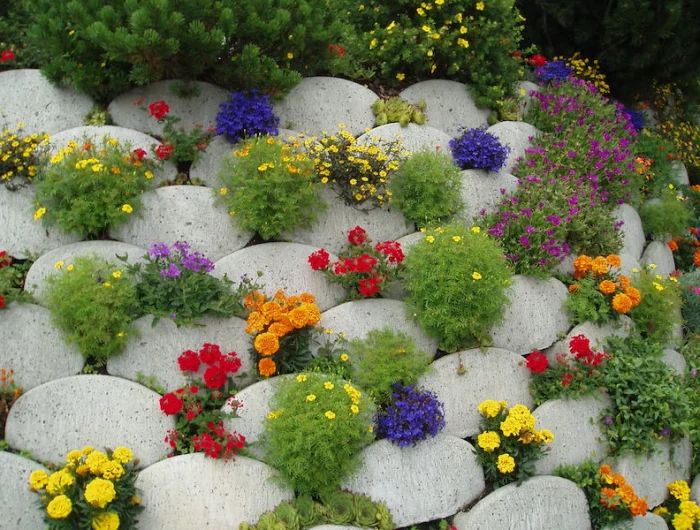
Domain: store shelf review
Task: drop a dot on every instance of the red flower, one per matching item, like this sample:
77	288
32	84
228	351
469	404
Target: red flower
210	354
164	151
319	259
172	437
230	364
339	268
158	109
538	60
194	389
6	55
5	260
365	263
566	379
170	404
357	236
2	301
516	54
336	49
139	153
392	249
193	409
369	286
350	264
537	362
580	345
137	102
188	361
214	377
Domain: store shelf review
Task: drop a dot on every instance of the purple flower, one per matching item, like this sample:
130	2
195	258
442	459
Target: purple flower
171	272
412	416
159	250
525	241
665	431
607	419
554	219
529	229
478	149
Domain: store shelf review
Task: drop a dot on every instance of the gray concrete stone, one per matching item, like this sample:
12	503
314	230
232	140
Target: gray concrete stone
359	317
449	105
34	348
482	191
540	503
680	173
434	479
21	508
45	266
154	350
397	290
674	360
95	410
658	253
650	475
21	235
491	374
194	491
577	434
594	332
184	213
413	138
535	316
515	134
284	266
199	110
523	92
629	263
331	229
29	98
650	521
632	231
695	489
320	104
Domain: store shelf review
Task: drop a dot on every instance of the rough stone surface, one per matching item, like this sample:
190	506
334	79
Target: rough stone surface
535	316
154	350
650	475
397	290
674	360
577	434
524	90
95	410
658	253
207	167
540	503
198	110
29	98
193	491
331	228
45	266
359	317
628	264
632	231
650	521
437	477
322	103
20	233
695	489
449	105
481	191
184	213
20	506
594	332
413	138
516	135
34	348
680	173
491	374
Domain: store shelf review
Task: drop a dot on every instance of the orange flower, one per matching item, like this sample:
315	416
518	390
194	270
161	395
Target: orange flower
256	322
279	329
574	287
599	266
307	298
266	343
619	480
298	317
613	260
254	300
607	287
267	367
608	497
271	310
634	295
639	507
696	258
314	314
280	296
606	474
627	493
622	303
672	245
623	281
293	300
582	263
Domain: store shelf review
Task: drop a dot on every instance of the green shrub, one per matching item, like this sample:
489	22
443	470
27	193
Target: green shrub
660	308
691	354
690	309
456	281
14	19
92	302
654	157
317	426
666	217
385	357
427	188
269	187
12	275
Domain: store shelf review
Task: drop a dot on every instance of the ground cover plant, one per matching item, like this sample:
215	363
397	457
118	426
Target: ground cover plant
20	156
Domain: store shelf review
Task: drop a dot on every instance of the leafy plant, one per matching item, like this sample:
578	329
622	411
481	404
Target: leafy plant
245	115
272	188
667	217
478	149
93	303
410	416
454	263
678	510
660	308
9	393
427	189
12	275
20	156
690	309
398	110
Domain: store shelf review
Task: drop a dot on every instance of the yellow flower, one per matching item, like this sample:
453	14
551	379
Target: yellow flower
107	285
127	208
60	507
464	44
38	479
439	2
373	44
344	357
658	286
505	463
354	409
73	457
70	267
58	264
427	29
301	378
488	441
328	385
475	229
120	334
112	470
39	213
435	36
290	55
122	455
106	521
652	266
430	239
456	239
117	274
420	11
329	414
311	397
480	6
400	76
100	492
680	490
544	436
59	481
223	191
476	275
148	175
489	408
462	30
95	460
511	426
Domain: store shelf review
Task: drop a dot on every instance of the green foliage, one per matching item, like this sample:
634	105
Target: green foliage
92	302
656	163
690	309
12	275
691	354
457	283
269	187
667	216
315	430
427	188
398	110
14	19
385	357
660	308
649	400
97	117
87	189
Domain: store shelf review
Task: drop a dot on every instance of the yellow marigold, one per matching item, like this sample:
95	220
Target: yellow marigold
505	463
266	343
511	426
271	310
267	367
60	507
489	440
59	481
523	415
489	408
599	266
254	300
624	281
100	492
256	322
329	414
95	461
607	287
82	470
583	263
544	436
38	479
680	490
106	521
122	455
634	295
279	329
660	510
614	260
622	303
690	509
682	521
112	470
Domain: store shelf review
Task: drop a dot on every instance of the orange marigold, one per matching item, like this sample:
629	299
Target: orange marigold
606	474
280	329
696	258
613	260
619	480
608	497
266	343
583	263
256	322
627	493
267	367
622	303
607	287
599	266
314	314
634	295
280	296
574	287
307	298
272	310
672	245
624	281
254	300
298	317
639	508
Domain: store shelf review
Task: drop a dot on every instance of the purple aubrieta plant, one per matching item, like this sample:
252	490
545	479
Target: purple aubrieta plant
412	416
478	149
194	261
245	115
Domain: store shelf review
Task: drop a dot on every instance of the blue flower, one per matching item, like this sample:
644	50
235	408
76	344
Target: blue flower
553	71
412	416
246	115
478	149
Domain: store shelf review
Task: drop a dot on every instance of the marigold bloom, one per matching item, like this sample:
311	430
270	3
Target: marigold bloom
60	507
106	521
38	479
279	329
680	490
623	281
100	492
254	300
622	303
122	455
613	260
505	463
574	287
634	295
489	408
544	436
638	508
256	322
599	266
583	263
59	481
267	367
266	343
672	245
489	440
607	287
511	426
271	310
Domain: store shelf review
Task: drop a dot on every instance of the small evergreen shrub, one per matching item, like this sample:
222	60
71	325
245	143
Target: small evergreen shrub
478	149
245	115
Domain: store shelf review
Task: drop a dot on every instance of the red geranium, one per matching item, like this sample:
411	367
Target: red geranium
369	286
170	404
193	409
139	153
230	363
538	60
339	268
7	55
158	109
566	379
164	151
365	263
214	377
392	249
357	236
2	301
336	49
537	362
188	361
5	260
319	259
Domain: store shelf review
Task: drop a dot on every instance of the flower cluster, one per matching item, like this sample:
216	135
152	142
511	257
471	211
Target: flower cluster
509	445
7	55
282	326
678	510
19	156
616	493
199	403
411	416
363	270
9	392
246	114
91	490
556	70
478	149
584	69
357	172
